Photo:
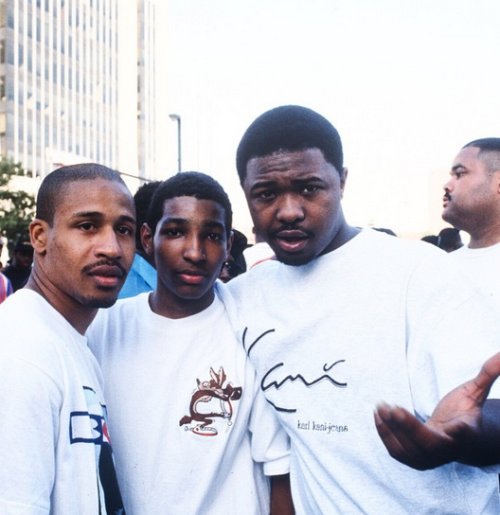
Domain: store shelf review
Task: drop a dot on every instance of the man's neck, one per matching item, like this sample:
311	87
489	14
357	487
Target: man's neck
485	238
80	317
169	306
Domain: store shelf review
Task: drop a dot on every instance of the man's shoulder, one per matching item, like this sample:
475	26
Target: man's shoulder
32	330
265	272
122	311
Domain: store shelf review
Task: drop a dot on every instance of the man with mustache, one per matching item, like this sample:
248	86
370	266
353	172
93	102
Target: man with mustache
346	317
54	444
472	204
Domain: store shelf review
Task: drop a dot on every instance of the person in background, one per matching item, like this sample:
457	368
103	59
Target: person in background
1	250
142	275
5	284
258	253
471	203
449	239
54	442
180	391
5	287
390	232
432	239
235	263
19	268
345	317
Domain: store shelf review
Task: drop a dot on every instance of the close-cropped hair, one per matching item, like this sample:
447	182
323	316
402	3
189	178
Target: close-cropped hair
142	201
189	184
489	152
53	185
289	128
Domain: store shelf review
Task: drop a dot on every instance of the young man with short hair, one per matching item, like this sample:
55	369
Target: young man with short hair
54	443
347	317
180	390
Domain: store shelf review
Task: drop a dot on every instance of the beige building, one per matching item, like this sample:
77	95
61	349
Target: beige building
78	84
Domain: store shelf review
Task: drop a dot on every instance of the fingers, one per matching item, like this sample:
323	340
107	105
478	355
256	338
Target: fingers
390	441
408	440
488	374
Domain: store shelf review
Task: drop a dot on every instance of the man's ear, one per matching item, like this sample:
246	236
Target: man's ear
39	230
343	179
147	239
229	244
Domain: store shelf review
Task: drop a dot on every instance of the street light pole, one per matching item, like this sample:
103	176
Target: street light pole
176	117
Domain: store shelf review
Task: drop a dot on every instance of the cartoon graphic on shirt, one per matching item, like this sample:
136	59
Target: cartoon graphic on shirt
210	401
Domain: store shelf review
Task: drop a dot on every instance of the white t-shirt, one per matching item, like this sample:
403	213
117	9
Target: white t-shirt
482	265
180	394
377	319
54	443
258	253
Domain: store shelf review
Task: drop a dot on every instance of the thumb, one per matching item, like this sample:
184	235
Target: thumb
480	386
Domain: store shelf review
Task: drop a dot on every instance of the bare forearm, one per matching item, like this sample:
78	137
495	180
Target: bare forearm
281	496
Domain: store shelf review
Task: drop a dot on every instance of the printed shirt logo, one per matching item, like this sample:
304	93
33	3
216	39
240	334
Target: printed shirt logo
91	427
274	379
210	401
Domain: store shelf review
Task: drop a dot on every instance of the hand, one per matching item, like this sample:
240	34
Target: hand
454	432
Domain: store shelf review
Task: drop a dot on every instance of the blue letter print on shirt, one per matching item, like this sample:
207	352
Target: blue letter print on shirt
277	384
89	426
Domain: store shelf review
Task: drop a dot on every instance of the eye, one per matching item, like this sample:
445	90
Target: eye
173	232
215	236
458	174
264	194
125	230
310	188
87	226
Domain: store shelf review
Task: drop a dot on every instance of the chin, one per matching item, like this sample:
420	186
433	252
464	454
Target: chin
294	260
100	302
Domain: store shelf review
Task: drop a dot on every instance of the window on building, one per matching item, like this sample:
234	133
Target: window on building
3	15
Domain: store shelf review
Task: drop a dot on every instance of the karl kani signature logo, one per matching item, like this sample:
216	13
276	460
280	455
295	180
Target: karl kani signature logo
267	384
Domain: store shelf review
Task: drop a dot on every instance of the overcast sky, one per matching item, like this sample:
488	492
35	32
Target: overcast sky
406	84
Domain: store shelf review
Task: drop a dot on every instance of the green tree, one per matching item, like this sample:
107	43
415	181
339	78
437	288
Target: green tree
17	207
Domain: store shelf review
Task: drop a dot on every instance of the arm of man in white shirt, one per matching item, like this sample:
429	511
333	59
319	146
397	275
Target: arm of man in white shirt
464	427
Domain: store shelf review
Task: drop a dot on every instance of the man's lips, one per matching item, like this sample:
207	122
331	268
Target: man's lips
446	199
108	276
291	240
192	276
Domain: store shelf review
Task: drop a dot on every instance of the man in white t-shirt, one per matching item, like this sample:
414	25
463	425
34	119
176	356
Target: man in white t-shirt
179	387
472	204
347	317
54	444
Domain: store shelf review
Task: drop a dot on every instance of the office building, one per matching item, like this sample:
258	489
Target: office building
77	84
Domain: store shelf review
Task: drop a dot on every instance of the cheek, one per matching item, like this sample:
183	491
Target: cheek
218	256
261	215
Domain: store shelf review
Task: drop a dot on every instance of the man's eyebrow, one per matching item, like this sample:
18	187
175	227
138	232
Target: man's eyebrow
214	224
457	167
174	220
306	180
88	214
128	218
98	215
262	184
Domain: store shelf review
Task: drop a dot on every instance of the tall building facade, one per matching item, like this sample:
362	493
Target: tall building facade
77	84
